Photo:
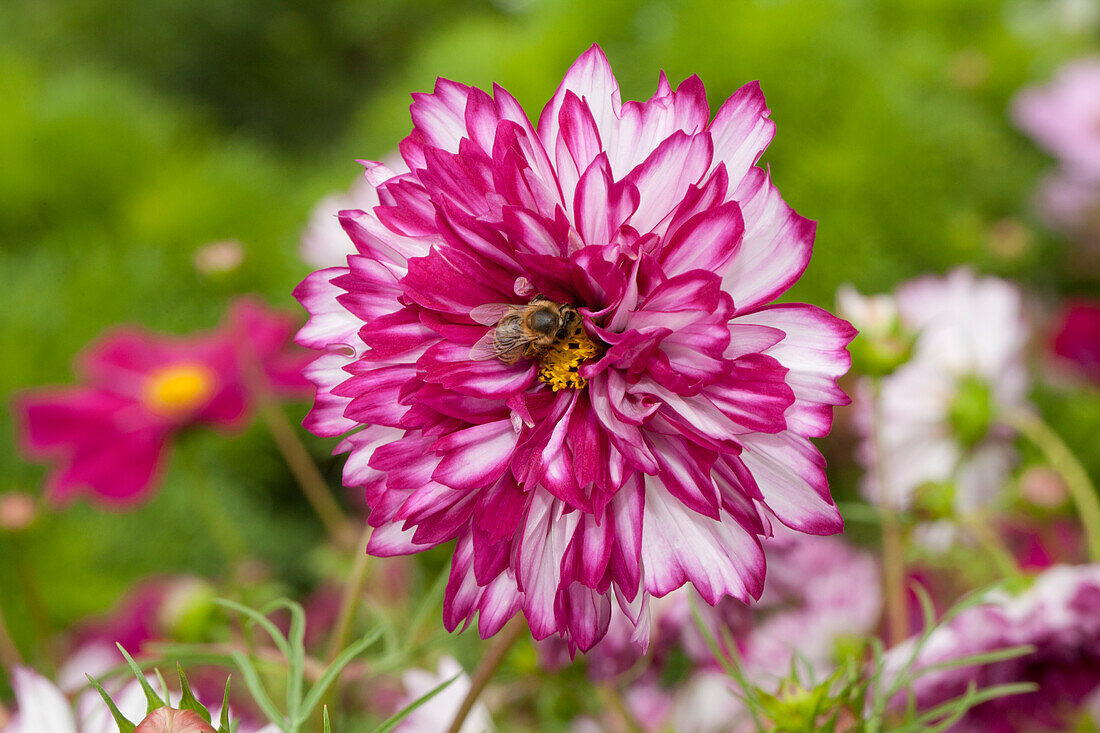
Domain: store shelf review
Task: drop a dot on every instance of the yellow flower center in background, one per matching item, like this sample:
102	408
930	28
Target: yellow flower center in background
559	366
179	388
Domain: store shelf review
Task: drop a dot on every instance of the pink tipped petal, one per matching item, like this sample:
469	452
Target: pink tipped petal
742	130
775	248
708	241
790	473
679	546
475	456
589	78
814	351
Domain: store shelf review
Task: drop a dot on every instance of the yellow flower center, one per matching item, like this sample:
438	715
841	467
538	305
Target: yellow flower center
560	365
179	388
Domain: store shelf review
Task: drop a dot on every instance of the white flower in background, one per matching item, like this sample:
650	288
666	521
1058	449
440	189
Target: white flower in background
436	714
324	242
939	419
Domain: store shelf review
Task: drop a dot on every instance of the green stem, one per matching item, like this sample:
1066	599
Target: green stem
306	473
490	663
610	696
1001	556
9	652
893	537
36	605
1062	459
353	594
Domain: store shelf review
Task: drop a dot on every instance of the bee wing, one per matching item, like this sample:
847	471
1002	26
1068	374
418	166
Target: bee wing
491	313
485	348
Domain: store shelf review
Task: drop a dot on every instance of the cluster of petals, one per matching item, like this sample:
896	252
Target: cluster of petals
1077	337
110	434
966	328
693	432
1058	615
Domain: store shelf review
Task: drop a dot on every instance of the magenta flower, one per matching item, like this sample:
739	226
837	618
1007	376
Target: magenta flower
1064	117
110	435
1078	338
555	347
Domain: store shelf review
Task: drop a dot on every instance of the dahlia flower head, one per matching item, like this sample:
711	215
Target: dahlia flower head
109	436
655	444
1059	615
1063	116
940	417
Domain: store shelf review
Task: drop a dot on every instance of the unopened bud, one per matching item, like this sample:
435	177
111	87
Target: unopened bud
188	609
882	344
219	257
169	720
1043	487
17	511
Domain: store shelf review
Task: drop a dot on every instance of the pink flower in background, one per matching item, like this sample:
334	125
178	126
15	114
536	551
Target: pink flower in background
110	435
1077	337
939	417
1064	117
1059	615
1071	206
650	439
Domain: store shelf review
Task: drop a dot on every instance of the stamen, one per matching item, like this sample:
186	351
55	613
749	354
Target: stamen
560	367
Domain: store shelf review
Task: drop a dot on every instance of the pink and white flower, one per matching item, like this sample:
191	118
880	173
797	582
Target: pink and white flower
1059	615
111	434
684	432
1063	116
939	419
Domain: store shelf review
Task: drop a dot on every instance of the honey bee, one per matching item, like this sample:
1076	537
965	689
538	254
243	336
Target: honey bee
522	331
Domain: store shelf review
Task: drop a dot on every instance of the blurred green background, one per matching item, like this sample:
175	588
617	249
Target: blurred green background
132	132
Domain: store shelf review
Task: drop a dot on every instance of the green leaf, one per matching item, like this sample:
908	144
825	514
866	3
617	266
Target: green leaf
975	660
259	694
124	725
223	723
333	671
188	701
262	621
400	715
152	699
295	656
324	717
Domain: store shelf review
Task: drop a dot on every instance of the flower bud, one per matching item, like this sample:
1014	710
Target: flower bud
170	720
188	611
882	344
971	411
218	258
17	511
